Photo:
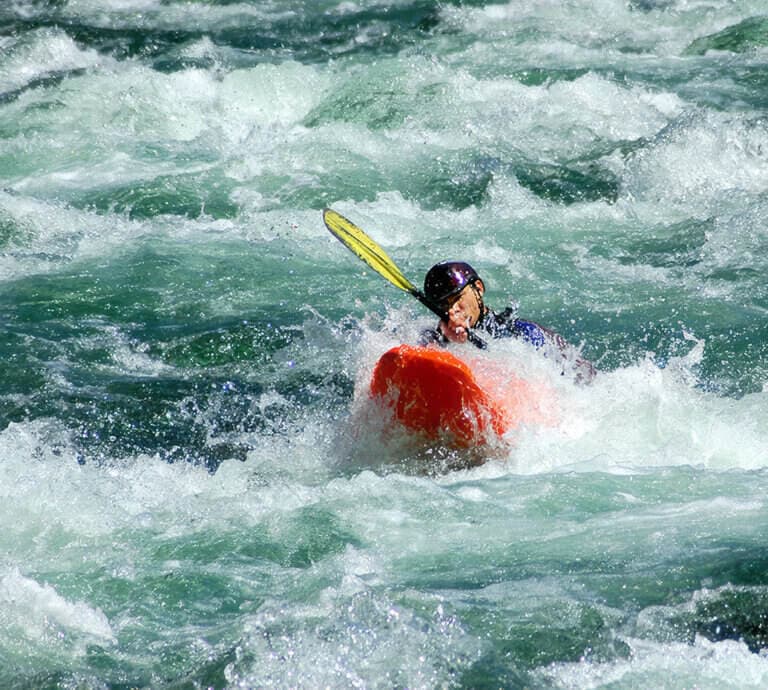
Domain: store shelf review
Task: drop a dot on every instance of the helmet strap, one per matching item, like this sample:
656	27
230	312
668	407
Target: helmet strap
481	304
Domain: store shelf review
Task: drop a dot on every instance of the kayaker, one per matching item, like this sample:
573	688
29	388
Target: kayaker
457	289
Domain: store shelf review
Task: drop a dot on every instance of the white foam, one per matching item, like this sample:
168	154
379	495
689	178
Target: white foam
698	161
51	233
158	14
631	419
595	31
44	617
641	417
42	53
355	637
134	109
703	665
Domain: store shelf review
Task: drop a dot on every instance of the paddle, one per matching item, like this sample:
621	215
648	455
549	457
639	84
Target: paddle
354	239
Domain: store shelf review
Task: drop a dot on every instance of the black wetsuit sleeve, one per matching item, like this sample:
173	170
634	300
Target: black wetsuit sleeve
432	336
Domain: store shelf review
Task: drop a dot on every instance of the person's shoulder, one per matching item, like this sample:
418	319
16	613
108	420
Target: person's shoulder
531	332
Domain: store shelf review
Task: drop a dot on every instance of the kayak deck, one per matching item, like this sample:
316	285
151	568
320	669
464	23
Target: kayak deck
434	393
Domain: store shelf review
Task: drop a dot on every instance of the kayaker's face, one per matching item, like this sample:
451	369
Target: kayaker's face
463	312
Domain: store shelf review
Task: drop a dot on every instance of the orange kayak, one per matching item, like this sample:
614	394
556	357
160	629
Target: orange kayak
434	393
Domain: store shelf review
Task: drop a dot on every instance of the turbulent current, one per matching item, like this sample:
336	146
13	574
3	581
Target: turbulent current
195	490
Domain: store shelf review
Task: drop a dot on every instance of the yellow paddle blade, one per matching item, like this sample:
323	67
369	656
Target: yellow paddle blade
354	239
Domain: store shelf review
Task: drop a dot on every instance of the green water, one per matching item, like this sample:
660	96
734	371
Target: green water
196	492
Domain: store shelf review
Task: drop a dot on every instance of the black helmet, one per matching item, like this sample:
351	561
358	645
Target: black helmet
448	278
